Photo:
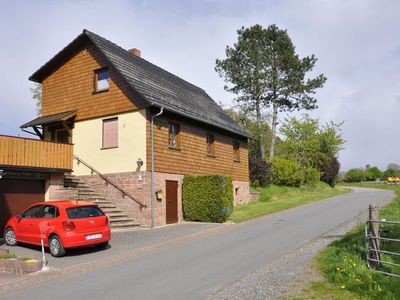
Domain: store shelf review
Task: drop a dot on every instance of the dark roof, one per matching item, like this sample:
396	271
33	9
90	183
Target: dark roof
50	119
155	85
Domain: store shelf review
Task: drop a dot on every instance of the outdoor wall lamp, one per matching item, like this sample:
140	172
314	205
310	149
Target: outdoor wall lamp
139	163
1	173
159	194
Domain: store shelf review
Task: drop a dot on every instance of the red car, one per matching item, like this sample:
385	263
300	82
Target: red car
61	224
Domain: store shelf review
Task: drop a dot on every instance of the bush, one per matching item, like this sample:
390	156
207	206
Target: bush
207	198
311	175
329	167
286	172
354	175
260	171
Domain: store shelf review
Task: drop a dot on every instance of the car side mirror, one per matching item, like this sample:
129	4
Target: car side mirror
19	217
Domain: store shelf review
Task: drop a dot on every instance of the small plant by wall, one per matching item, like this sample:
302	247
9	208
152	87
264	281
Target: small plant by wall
207	198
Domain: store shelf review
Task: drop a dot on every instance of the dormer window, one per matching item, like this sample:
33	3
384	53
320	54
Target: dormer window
101	80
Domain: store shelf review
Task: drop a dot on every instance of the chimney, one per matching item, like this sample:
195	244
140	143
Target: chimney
134	51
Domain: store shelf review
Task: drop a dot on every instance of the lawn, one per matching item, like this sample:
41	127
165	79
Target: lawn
343	266
276	198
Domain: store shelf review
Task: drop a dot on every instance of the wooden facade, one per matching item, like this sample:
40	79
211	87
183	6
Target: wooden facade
72	87
191	157
29	153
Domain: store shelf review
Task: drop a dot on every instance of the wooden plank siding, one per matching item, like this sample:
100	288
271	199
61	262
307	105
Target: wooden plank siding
192	158
71	87
22	152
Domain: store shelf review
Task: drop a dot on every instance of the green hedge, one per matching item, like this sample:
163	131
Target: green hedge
207	198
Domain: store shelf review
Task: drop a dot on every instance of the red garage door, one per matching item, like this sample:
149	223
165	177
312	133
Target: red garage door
16	195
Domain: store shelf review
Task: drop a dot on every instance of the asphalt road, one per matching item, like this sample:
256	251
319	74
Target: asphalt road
197	268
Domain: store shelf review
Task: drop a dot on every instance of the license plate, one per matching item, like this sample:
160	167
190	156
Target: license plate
93	236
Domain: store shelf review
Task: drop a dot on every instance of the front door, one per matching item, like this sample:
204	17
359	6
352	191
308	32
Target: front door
172	201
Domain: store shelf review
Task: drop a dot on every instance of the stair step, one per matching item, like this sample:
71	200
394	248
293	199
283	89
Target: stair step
124	225
94	197
107	206
120	219
87	190
116	215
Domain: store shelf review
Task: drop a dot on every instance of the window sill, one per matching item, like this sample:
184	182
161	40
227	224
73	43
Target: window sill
109	148
175	148
211	156
100	91
236	161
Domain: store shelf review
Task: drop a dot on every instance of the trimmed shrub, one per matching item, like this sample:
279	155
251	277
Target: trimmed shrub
260	171
287	172
207	198
311	175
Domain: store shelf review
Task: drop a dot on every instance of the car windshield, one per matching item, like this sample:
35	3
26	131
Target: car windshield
81	212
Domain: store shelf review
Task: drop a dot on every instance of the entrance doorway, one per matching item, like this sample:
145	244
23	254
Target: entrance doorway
171	198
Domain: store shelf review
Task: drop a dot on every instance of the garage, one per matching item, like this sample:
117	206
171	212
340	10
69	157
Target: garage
16	195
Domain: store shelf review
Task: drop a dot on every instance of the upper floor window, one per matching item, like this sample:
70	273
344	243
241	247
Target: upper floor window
210	144
110	133
101	80
173	135
236	151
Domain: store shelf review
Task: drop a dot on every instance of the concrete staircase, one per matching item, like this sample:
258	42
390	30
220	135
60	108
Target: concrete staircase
118	219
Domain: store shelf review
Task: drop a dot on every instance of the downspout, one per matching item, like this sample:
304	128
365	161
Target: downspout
152	164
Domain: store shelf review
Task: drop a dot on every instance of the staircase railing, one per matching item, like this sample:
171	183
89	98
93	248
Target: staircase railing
123	192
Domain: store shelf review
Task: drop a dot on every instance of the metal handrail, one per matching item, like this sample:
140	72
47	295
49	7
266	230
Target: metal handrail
124	193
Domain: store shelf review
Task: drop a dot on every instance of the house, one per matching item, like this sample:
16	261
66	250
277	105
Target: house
124	117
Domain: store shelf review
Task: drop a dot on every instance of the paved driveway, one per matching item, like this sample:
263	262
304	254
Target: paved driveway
200	264
121	242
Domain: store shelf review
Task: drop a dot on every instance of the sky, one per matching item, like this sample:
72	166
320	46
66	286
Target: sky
356	42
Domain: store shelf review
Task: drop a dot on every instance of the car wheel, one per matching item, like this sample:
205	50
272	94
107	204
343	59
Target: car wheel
10	237
102	245
56	247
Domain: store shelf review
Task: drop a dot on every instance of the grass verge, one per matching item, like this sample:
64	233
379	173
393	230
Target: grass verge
276	198
343	266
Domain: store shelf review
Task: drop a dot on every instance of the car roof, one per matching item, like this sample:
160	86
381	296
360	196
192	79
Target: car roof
66	203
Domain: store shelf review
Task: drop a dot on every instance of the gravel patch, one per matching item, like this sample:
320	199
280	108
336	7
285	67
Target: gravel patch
289	274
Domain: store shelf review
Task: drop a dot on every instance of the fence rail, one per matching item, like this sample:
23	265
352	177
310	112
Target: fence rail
23	152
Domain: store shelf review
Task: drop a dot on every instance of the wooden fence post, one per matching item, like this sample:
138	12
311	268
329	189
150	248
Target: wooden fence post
374	227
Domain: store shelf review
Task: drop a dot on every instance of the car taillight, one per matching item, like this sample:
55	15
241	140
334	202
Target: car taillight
68	225
107	221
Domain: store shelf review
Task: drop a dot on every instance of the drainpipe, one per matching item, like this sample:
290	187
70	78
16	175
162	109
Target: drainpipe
152	164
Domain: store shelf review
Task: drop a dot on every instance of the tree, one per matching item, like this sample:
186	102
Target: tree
390	173
354	175
305	138
394	167
301	140
372	173
37	96
265	71
329	167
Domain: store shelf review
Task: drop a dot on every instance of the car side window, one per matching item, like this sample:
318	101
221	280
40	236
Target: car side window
49	212
33	212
